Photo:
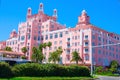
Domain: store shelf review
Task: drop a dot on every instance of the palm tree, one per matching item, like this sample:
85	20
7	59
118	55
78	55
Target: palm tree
76	57
44	45
24	50
8	48
37	55
40	46
55	56
49	44
59	50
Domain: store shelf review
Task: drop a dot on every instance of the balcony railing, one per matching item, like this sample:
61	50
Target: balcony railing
13	59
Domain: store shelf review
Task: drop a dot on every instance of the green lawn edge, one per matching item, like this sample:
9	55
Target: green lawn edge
50	78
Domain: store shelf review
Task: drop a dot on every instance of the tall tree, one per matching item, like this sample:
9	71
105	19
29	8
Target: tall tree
55	56
37	55
76	57
41	46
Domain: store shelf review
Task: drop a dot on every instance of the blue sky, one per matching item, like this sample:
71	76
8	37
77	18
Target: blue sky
103	13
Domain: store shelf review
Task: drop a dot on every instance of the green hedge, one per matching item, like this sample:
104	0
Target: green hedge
5	70
41	70
34	69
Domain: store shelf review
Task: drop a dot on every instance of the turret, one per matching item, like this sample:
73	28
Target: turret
29	12
84	18
13	34
40	8
55	14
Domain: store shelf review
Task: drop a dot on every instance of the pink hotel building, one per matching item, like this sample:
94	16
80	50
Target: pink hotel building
41	28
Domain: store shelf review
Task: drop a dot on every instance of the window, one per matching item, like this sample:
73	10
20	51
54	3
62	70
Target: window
86	43
22	38
99	51
68	45
42	37
86	50
50	48
46	26
86	36
86	57
39	27
75	37
46	37
60	42
35	37
38	38
40	20
38	32
99	59
75	43
68	51
93	50
55	42
55	47
78	43
29	36
52	26
42	26
68	57
56	35
93	36
61	34
93	44
51	36
99	38
66	32
68	39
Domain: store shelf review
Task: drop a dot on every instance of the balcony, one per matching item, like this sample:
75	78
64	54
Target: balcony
68	42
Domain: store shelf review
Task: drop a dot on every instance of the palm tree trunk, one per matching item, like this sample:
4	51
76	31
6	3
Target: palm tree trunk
77	62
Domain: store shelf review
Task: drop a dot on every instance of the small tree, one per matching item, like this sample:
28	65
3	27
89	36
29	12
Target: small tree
37	55
44	45
24	50
114	65
49	44
8	48
76	57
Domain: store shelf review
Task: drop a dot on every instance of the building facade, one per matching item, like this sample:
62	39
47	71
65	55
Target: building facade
2	45
41	28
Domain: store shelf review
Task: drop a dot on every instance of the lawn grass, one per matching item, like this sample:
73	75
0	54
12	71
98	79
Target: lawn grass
50	78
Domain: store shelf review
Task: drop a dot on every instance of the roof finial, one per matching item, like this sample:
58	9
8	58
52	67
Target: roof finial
84	11
13	30
29	11
55	12
41	7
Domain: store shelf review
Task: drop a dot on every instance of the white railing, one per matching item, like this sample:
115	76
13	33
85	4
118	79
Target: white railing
14	59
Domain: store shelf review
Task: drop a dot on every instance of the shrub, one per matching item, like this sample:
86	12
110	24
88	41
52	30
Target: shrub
5	70
34	69
50	69
28	69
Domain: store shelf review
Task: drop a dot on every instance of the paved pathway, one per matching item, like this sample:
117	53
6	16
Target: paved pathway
108	78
